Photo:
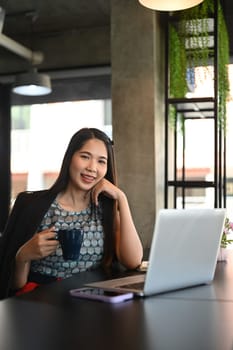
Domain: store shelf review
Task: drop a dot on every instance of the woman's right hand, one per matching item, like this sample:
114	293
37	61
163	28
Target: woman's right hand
41	245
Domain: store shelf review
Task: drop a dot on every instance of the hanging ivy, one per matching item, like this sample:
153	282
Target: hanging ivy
190	46
194	30
177	64
177	71
223	59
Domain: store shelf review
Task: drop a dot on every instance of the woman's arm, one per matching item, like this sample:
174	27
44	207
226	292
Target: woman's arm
128	246
21	271
19	229
39	246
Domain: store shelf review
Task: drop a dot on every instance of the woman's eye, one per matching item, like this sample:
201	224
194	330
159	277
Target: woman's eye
84	156
102	161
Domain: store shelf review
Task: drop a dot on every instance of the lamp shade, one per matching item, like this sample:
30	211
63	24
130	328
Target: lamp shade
169	5
32	84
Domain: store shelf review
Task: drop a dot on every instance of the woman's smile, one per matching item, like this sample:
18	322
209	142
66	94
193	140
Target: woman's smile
88	178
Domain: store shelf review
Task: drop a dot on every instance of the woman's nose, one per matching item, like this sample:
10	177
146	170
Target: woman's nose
92	166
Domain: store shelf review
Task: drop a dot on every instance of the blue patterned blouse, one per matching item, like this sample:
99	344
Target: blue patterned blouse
91	252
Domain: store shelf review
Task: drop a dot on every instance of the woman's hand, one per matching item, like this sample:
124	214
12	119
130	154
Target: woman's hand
107	188
39	246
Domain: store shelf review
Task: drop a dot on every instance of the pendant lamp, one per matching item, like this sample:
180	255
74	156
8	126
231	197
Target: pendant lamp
32	83
169	5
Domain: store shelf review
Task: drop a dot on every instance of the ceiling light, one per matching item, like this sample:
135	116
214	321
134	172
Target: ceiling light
169	5
32	84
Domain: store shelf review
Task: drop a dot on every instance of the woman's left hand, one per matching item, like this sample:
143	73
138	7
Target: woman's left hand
107	188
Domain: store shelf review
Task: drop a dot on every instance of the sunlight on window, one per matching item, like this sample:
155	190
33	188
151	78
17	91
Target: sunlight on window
199	155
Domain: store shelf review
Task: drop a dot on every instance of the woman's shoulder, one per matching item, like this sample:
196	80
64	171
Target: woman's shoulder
33	194
26	197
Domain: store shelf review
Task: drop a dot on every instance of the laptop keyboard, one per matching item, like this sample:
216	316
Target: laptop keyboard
138	285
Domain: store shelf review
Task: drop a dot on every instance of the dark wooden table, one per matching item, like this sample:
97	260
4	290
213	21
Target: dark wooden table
199	318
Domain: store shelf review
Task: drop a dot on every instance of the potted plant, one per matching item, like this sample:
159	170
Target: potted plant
228	228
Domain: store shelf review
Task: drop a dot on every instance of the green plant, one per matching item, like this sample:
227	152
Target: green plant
178	64
194	28
228	228
223	59
189	47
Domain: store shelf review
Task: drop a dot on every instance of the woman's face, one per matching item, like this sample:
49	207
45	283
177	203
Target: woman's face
88	165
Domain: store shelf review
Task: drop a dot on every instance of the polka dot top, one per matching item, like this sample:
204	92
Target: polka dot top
91	253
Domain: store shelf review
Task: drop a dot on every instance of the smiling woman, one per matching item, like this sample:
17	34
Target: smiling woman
85	196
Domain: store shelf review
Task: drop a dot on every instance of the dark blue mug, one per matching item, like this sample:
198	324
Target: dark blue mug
71	241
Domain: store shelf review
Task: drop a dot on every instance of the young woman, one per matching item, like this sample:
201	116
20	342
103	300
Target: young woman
84	196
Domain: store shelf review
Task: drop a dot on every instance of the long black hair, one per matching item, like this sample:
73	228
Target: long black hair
109	205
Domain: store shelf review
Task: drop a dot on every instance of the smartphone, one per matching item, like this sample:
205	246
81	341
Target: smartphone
101	295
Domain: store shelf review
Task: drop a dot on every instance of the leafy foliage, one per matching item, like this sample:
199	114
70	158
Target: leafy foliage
190	46
228	228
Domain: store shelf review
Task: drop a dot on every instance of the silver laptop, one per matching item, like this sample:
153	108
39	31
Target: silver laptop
183	253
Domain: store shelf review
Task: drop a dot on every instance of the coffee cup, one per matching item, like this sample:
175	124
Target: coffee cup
70	241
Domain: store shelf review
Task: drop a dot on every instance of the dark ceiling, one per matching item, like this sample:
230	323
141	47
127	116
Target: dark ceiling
72	34
52	26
